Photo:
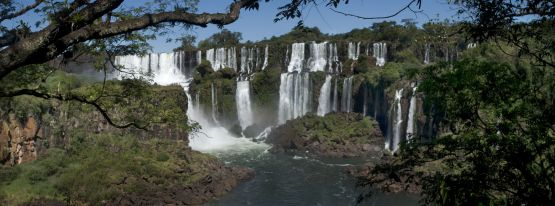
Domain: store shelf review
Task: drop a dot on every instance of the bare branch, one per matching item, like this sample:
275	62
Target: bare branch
418	2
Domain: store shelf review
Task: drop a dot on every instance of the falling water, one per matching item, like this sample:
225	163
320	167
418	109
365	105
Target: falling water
294	96
297	58
324	105
380	52
214	102
335	97
318	55
265	58
347	94
165	69
396	135
353	50
221	58
412	112
333	59
243	100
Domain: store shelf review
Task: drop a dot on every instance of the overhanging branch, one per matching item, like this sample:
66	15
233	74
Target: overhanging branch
76	98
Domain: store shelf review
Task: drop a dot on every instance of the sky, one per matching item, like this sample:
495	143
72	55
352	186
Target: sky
258	24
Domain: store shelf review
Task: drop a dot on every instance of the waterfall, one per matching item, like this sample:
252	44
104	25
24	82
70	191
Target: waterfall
165	68
318	55
353	50
294	96
412	112
249	60
199	56
221	58
297	58
365	101
324	105
335	97
395	138
347	94
380	52
471	45
243	100
427	54
333	59
265	58
214	98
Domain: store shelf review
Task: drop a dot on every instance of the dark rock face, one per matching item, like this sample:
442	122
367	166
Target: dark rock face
335	135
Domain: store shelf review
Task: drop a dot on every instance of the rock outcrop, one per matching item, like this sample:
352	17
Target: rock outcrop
334	135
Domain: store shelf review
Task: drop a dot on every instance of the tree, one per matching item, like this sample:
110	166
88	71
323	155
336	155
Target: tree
224	38
73	22
98	29
187	43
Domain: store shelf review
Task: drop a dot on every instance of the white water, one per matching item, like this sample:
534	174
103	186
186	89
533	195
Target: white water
297	58
324	100
333	59
294	96
412	112
165	70
221	58
318	56
265	58
214	102
335	97
353	51
243	100
380	52
347	95
396	136
249	60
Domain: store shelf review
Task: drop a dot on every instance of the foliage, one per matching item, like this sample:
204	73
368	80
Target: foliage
115	165
224	38
187	43
500	145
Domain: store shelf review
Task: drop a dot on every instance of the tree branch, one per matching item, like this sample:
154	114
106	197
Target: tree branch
56	38
72	98
22	11
418	2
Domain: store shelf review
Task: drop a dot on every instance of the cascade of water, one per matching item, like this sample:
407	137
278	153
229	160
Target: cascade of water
427	54
471	45
333	59
335	97
324	99
243	100
265	58
396	135
318	55
412	112
221	57
294	96
297	58
347	94
249	60
380	52
353	50
164	67
199	56
214	104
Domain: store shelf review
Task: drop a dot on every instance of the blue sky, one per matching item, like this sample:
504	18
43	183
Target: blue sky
258	24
